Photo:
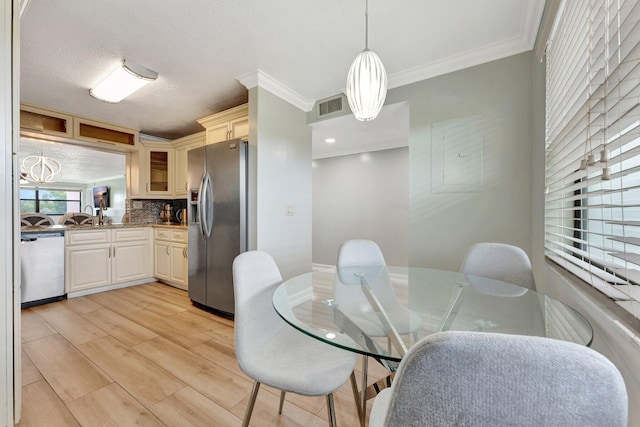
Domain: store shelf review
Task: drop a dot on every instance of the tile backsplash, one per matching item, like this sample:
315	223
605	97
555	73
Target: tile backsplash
148	211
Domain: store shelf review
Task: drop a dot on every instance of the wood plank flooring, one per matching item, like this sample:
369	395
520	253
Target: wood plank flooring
145	356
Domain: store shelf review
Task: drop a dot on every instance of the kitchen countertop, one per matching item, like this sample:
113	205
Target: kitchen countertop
54	228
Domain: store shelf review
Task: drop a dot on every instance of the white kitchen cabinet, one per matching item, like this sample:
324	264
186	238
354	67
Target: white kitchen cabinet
87	266
150	171
103	257
162	260
170	256
182	147
229	124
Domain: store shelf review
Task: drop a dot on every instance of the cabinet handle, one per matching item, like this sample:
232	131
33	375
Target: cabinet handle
184	252
168	253
185	186
109	252
114	251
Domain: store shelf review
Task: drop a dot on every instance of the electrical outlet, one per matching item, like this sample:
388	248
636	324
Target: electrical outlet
289	210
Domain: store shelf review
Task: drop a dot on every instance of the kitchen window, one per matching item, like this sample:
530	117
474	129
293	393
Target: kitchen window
50	201
592	202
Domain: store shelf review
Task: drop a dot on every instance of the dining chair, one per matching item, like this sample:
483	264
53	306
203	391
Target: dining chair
274	353
76	218
478	378
501	262
34	219
367	254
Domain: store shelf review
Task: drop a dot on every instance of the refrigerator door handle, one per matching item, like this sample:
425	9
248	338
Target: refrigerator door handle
200	206
208	205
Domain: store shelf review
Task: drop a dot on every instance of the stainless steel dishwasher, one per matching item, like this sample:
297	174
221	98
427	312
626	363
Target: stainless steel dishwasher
41	267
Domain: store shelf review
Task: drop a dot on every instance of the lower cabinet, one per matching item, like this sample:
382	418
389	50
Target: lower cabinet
170	256
95	258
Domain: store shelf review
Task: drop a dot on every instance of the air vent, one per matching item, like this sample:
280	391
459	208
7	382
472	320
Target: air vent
330	106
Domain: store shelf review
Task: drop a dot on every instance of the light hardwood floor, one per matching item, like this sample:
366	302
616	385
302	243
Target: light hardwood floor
146	356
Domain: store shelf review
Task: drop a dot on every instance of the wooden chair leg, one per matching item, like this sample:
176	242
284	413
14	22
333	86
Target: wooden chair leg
282	393
252	402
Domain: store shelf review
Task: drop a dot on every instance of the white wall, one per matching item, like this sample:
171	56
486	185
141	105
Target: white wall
117	197
362	196
442	226
282	178
610	336
9	230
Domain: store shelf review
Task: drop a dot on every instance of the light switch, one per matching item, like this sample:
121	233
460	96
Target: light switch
289	210
137	204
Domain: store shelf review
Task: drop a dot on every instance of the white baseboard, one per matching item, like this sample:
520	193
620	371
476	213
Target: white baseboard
84	292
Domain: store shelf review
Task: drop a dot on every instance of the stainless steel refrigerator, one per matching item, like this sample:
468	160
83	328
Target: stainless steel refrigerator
217	218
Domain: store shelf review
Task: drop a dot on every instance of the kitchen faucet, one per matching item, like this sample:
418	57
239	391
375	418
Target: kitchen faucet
101	209
90	209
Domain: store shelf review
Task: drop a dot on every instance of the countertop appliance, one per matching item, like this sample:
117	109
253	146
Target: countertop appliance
217	221
41	267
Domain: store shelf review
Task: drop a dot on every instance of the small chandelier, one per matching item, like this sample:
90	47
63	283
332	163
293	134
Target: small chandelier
39	169
367	81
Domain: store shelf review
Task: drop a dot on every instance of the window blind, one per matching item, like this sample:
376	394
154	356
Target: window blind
592	201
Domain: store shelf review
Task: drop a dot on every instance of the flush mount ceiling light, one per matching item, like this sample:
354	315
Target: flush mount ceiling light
367	81
122	82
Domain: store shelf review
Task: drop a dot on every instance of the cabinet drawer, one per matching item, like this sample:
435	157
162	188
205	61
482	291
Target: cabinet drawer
162	233
129	234
179	236
85	237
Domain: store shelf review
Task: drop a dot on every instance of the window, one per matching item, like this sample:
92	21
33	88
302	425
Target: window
592	209
50	201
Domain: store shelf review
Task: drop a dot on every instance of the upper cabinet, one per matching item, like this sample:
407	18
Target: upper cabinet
47	122
182	147
229	124
103	133
150	171
53	123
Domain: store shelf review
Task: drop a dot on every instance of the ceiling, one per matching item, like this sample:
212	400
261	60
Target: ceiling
200	48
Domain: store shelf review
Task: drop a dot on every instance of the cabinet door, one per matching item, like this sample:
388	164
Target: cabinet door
162	260
87	266
217	133
129	261
239	128
181	171
179	263
159	164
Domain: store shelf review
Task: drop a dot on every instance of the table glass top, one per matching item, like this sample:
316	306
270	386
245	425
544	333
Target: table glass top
382	314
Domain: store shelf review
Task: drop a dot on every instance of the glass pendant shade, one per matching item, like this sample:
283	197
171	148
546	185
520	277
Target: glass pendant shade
366	85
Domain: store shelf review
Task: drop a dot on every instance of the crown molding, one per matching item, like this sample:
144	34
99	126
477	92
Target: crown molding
523	42
260	78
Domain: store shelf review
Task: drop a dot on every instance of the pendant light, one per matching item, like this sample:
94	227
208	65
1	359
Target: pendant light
39	169
367	81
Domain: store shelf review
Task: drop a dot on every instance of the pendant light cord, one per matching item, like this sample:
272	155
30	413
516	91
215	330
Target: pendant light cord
366	25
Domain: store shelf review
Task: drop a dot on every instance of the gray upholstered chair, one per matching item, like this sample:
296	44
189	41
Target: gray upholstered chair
367	255
488	379
273	352
501	262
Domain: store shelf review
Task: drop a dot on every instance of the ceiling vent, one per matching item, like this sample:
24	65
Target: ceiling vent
330	106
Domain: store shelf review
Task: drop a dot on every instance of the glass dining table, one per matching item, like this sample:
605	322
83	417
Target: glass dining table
380	311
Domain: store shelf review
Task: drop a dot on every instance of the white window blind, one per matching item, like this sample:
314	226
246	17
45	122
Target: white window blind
592	209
